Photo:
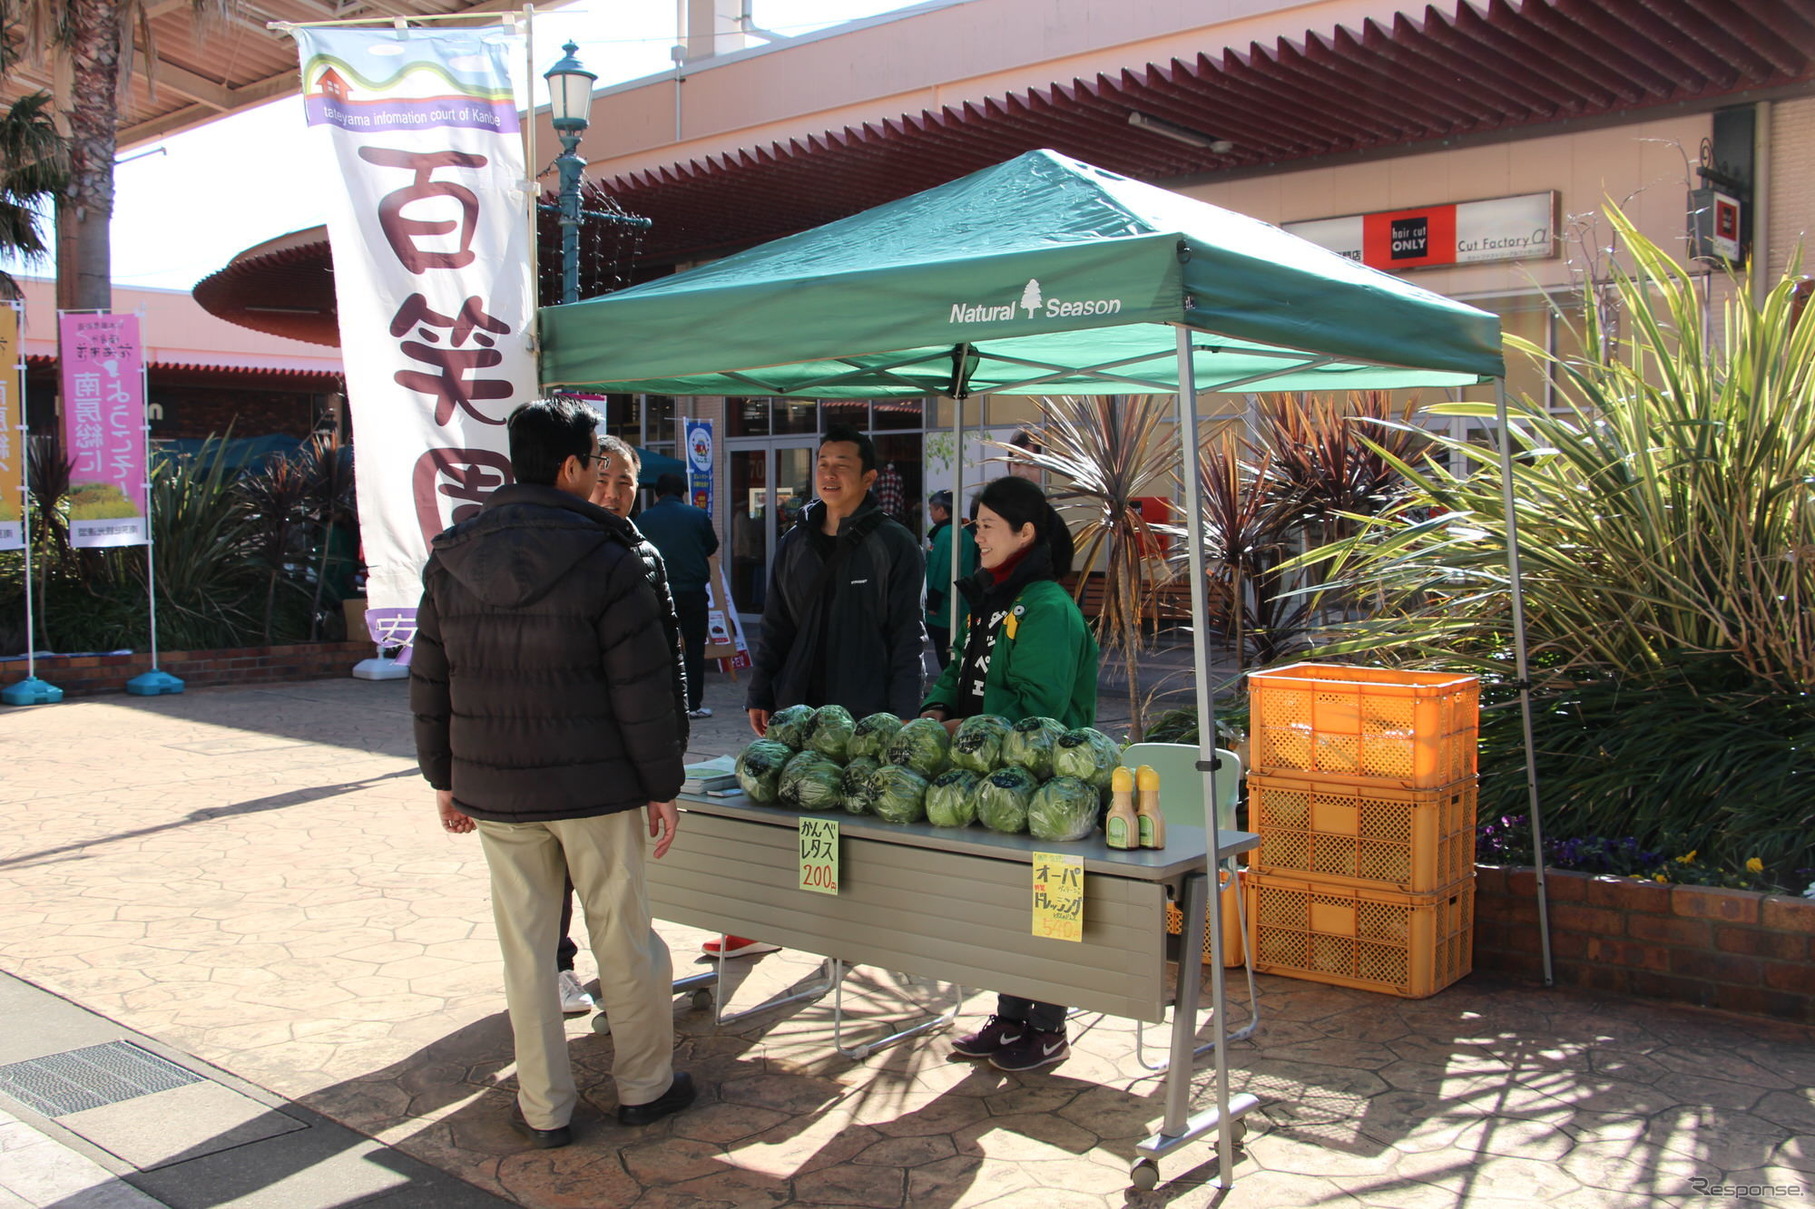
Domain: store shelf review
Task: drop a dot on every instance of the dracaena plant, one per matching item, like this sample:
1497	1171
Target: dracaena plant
1105	453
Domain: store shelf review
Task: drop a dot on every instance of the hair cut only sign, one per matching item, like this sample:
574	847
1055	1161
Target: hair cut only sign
103	367
431	276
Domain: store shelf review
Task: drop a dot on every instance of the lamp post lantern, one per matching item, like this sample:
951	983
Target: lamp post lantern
570	105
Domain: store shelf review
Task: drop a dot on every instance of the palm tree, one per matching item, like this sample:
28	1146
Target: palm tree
1107	453
95	37
33	166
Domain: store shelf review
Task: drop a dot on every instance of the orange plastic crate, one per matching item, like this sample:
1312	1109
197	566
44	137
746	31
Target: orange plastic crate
1416	841
1232	930
1363	725
1411	945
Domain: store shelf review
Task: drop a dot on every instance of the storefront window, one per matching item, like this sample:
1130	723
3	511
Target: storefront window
658	420
899	414
794	415
901	483
621	419
747	417
853	415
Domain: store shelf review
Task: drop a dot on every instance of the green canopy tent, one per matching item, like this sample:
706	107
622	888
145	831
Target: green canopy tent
1038	276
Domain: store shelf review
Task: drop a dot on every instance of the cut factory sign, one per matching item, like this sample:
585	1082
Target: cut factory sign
431	268
1477	232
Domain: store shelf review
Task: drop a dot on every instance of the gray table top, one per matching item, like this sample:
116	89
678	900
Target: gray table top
1183	853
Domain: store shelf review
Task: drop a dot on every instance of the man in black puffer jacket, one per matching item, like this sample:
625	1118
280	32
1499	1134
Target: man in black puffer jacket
547	710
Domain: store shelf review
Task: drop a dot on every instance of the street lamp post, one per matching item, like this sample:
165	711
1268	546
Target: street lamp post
570	106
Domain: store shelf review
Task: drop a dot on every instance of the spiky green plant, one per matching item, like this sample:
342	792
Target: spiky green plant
1106	452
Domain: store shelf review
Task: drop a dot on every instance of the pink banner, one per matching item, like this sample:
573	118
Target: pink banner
104	428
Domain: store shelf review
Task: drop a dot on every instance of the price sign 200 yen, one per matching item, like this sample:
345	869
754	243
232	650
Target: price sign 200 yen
819	855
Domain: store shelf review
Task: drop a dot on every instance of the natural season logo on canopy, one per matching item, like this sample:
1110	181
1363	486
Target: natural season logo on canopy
1035	305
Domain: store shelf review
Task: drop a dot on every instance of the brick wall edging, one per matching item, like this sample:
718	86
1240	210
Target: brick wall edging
1738	950
93	675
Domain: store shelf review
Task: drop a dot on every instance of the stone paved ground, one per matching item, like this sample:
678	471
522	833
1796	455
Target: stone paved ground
254	876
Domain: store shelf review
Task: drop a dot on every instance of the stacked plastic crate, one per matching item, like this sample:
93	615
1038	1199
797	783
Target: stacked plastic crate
1362	789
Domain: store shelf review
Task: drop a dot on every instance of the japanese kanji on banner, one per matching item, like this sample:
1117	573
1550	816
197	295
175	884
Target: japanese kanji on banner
12	432
432	279
104	428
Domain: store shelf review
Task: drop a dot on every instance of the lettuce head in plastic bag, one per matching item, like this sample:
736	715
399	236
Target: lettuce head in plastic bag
790	725
1064	808
759	769
1087	754
1002	799
897	794
1030	743
823	774
854	786
921	745
872	737
830	732
978	743
949	799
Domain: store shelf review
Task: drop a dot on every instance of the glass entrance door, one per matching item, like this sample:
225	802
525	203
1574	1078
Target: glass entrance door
771	481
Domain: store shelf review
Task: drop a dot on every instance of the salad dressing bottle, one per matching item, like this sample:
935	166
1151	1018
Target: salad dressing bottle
1121	829
1150	823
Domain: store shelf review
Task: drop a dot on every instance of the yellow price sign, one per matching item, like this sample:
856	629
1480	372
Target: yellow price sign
1058	896
819	855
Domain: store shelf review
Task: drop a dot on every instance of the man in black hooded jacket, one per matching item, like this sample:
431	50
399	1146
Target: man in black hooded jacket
842	619
548	715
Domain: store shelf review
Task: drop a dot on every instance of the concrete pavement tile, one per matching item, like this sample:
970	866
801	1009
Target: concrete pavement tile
1033	1136
853	1184
724	1124
1715	1093
907	1152
1630	1167
572	1177
1044	1096
734	1187
1795	1111
1714	1137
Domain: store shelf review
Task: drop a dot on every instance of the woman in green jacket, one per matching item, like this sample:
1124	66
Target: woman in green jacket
1027	653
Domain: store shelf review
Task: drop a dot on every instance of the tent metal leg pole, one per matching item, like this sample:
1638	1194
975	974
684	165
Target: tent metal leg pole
1524	671
1206	745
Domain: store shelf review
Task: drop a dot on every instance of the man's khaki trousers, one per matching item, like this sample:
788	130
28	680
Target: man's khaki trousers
604	856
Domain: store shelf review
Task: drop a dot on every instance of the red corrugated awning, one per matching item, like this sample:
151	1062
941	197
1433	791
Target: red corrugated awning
1442	80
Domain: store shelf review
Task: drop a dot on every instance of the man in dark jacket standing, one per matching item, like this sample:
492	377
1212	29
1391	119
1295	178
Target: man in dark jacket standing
685	537
546	710
841	622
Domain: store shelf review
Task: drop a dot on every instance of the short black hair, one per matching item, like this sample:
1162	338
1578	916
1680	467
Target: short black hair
843	434
1020	502
545	433
670	483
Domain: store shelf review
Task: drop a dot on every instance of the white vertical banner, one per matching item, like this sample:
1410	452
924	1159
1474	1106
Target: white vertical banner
432	280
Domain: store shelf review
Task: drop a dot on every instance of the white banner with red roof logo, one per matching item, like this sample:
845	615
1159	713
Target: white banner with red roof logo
432	280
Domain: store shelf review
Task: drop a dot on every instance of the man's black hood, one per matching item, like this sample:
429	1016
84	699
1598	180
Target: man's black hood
524	540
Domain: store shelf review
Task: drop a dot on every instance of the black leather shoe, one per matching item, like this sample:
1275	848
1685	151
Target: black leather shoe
677	1097
541	1139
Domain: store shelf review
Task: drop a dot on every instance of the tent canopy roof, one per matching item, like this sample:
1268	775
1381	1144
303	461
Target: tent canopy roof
1041	275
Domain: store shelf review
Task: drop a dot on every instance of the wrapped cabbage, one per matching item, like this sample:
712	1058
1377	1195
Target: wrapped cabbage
854	786
978	743
897	794
949	798
790	725
819	787
1030	743
872	737
830	732
1002	799
759	769
805	765
1087	754
922	746
1064	808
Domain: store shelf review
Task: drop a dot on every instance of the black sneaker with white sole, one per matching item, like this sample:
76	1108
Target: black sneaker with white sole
988	1040
1032	1050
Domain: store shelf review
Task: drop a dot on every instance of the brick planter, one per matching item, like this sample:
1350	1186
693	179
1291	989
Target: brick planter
1738	950
90	675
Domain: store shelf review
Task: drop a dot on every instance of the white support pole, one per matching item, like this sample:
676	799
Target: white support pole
31	690
952	637
155	682
1179	1081
1524	670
